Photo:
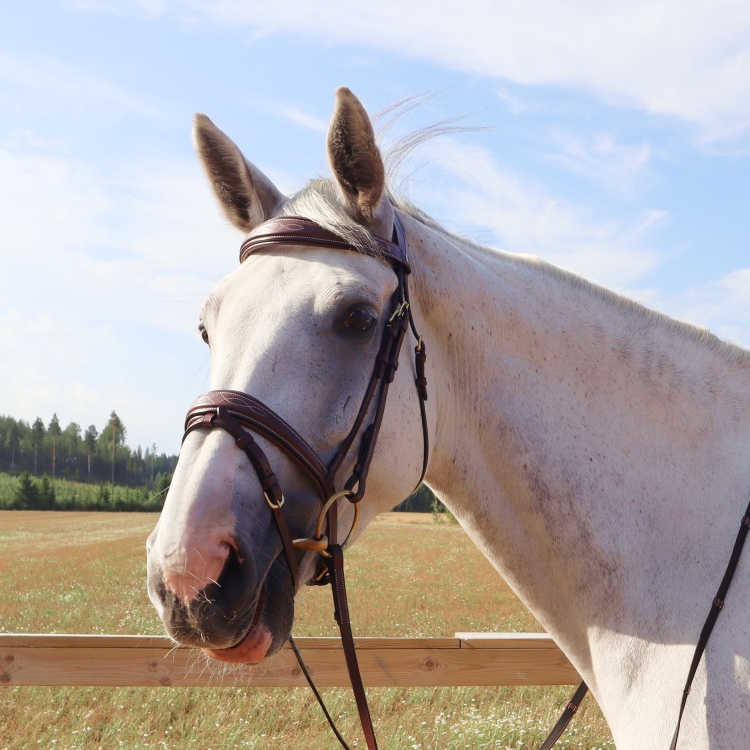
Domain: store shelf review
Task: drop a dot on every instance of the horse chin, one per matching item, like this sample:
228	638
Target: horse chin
275	605
252	649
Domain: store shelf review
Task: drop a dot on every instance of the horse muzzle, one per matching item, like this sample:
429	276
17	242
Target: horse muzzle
238	612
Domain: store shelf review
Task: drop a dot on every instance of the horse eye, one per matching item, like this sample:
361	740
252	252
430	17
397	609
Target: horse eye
360	319
203	332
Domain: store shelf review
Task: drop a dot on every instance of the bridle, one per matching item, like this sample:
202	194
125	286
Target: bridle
240	414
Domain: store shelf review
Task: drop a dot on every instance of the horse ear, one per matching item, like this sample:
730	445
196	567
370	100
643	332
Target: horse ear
355	160
245	194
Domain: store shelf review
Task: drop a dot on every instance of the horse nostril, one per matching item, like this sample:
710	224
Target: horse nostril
187	572
233	581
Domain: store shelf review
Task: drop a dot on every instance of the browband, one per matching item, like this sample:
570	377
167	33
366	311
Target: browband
296	230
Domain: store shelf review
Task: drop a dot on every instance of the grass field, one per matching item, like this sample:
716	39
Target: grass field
85	573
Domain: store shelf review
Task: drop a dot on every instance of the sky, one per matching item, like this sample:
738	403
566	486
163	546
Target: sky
612	139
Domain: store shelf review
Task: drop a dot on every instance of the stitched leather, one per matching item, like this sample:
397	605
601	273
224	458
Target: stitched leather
256	415
296	230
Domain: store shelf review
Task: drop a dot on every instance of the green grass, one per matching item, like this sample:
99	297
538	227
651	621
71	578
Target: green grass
78	572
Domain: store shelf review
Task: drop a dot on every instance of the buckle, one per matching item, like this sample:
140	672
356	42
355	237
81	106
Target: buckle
271	504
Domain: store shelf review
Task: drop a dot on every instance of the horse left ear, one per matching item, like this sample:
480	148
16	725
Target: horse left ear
356	162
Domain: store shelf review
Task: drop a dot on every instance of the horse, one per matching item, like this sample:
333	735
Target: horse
597	452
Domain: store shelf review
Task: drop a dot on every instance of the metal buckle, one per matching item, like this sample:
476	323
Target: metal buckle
319	542
271	504
399	311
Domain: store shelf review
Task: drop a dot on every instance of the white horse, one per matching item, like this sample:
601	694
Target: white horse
598	453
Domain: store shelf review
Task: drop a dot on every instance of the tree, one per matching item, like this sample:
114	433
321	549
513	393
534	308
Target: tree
54	432
72	453
89	440
15	441
151	456
26	496
37	436
116	436
70	448
46	494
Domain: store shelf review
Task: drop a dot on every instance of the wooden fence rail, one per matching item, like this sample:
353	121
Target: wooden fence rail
149	661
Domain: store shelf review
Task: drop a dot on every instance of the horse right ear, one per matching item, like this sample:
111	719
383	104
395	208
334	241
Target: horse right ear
245	194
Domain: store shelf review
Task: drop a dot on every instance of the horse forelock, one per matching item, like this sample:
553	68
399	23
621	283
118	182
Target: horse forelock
321	202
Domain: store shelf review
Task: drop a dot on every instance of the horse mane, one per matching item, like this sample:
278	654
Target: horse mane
632	310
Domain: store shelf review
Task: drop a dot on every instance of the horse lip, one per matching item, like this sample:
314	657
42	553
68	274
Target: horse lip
253	645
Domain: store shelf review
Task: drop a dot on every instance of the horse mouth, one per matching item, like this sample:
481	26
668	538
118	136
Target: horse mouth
253	647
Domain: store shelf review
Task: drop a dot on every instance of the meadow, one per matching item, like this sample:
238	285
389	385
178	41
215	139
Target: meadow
79	572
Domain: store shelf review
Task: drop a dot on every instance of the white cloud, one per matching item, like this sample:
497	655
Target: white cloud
671	57
141	8
523	217
306	120
72	85
102	281
721	305
514	104
46	203
46	366
601	159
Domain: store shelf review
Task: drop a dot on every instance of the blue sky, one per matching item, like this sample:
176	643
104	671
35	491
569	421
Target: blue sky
610	138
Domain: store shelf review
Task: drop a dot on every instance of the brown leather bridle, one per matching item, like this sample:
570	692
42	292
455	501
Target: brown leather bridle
241	414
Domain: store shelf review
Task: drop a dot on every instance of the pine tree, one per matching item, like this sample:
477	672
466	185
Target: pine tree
54	432
46	494
116	435
89	440
70	448
37	436
26	496
15	441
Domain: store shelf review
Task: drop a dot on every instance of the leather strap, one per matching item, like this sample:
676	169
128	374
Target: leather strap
569	712
716	606
220	416
256	415
386	365
297	230
317	694
341	612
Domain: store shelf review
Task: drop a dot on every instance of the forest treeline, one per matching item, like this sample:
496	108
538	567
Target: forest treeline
25	492
50	467
81	455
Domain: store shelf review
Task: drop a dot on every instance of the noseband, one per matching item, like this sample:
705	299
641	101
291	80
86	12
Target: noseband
241	414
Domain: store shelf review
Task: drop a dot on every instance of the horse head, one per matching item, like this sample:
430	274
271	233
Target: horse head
299	327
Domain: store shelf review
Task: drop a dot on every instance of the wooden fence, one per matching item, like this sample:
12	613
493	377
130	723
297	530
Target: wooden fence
149	661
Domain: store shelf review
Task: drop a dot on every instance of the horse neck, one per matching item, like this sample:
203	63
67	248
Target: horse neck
577	436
